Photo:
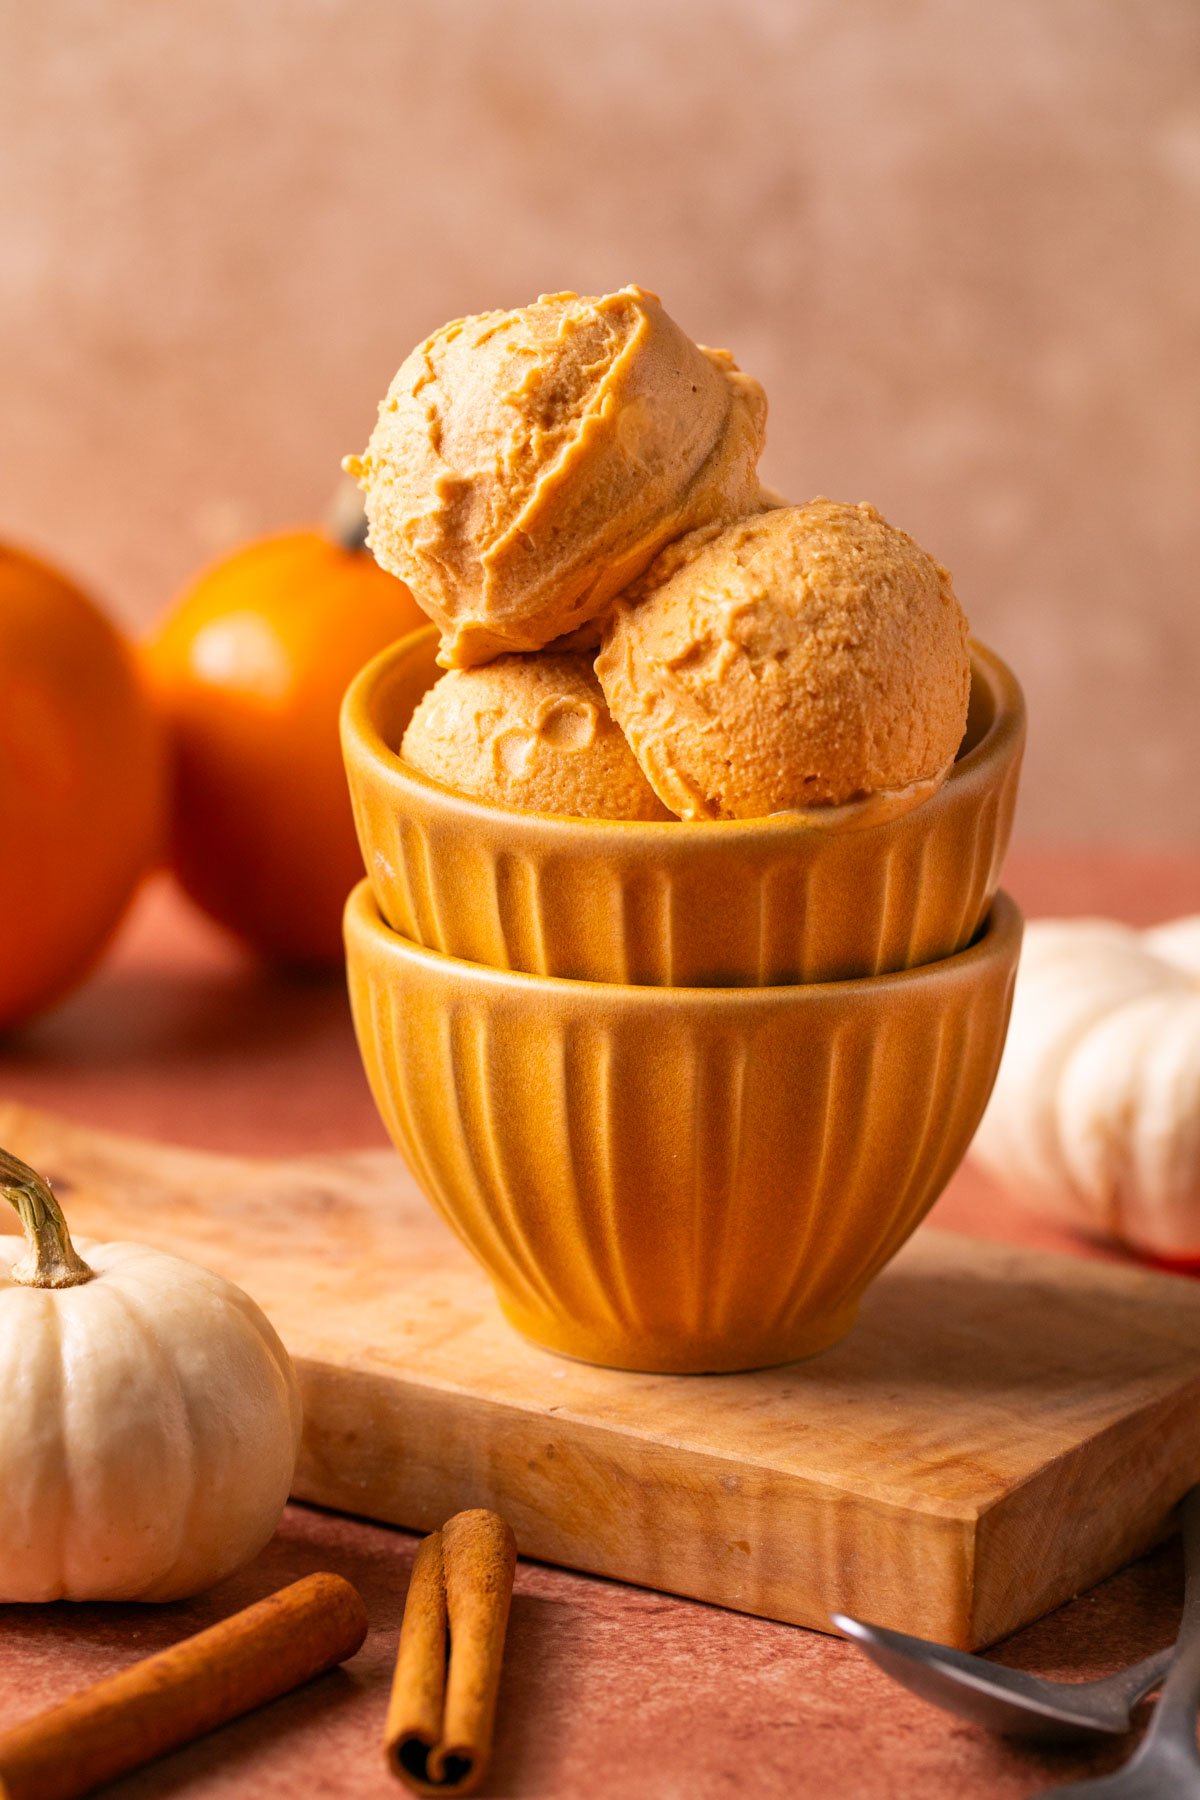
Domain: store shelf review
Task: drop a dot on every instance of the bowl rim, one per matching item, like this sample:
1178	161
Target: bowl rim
363	744
997	942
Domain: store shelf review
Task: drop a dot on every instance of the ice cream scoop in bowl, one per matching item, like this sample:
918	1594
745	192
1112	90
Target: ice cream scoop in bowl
833	894
685	1179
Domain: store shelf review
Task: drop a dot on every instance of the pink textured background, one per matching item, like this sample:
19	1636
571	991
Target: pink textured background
959	243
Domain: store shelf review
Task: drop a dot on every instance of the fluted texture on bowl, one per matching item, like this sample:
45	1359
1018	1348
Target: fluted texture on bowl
739	903
698	1179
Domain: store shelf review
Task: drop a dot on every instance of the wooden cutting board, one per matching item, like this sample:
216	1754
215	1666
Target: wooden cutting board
1001	1429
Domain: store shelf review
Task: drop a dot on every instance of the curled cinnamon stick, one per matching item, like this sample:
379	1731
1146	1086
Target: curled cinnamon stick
177	1695
443	1706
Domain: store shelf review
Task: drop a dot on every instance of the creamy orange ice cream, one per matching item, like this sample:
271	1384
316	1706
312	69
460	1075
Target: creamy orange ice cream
532	732
803	657
527	465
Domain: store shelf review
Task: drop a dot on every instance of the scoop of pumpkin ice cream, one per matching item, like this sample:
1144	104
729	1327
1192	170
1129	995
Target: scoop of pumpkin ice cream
531	732
527	465
804	657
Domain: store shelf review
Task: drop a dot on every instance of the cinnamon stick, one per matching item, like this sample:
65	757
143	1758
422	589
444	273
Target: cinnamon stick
177	1695
443	1707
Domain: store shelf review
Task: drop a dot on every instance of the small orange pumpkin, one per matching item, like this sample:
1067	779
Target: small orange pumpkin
80	783
250	667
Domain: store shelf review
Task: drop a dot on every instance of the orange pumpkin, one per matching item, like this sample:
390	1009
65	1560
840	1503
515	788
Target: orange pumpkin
250	667
80	783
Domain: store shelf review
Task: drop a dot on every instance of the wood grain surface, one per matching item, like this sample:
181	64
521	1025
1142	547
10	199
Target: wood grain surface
1001	1429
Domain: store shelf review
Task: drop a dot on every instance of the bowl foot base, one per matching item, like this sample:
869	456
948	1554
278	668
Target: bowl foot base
660	1353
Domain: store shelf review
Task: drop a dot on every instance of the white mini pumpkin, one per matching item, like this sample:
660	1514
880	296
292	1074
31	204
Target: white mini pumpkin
1095	1115
149	1416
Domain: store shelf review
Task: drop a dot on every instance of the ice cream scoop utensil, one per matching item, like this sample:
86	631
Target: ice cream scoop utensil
1166	1765
1008	1700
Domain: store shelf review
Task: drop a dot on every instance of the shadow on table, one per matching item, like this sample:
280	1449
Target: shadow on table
182	1035
241	1748
544	1663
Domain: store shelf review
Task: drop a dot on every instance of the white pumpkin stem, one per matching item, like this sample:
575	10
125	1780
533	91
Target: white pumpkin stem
52	1260
346	519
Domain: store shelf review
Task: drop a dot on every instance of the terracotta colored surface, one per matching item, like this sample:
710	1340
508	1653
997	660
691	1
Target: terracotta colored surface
180	1037
609	1691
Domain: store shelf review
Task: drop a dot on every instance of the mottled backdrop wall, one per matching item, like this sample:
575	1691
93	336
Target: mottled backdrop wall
960	243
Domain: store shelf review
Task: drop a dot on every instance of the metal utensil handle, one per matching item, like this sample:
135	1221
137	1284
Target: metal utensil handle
1141	1678
1175	1714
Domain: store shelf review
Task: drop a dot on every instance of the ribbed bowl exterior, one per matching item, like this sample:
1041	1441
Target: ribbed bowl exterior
691	1180
758	902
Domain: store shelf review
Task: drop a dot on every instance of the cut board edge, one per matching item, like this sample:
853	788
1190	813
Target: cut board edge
490	1454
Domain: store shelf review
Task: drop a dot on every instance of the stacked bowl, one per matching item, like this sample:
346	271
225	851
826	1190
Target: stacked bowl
682	1089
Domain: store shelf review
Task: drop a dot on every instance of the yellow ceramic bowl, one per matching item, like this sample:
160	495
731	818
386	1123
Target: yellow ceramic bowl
687	1179
755	902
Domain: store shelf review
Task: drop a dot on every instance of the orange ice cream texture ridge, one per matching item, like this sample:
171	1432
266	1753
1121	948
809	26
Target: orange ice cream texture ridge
531	732
526	466
803	658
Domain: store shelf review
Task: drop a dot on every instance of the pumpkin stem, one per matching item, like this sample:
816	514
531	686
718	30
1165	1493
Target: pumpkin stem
52	1260
346	520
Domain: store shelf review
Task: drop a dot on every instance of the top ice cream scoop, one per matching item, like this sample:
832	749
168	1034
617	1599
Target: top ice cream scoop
804	657
527	465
